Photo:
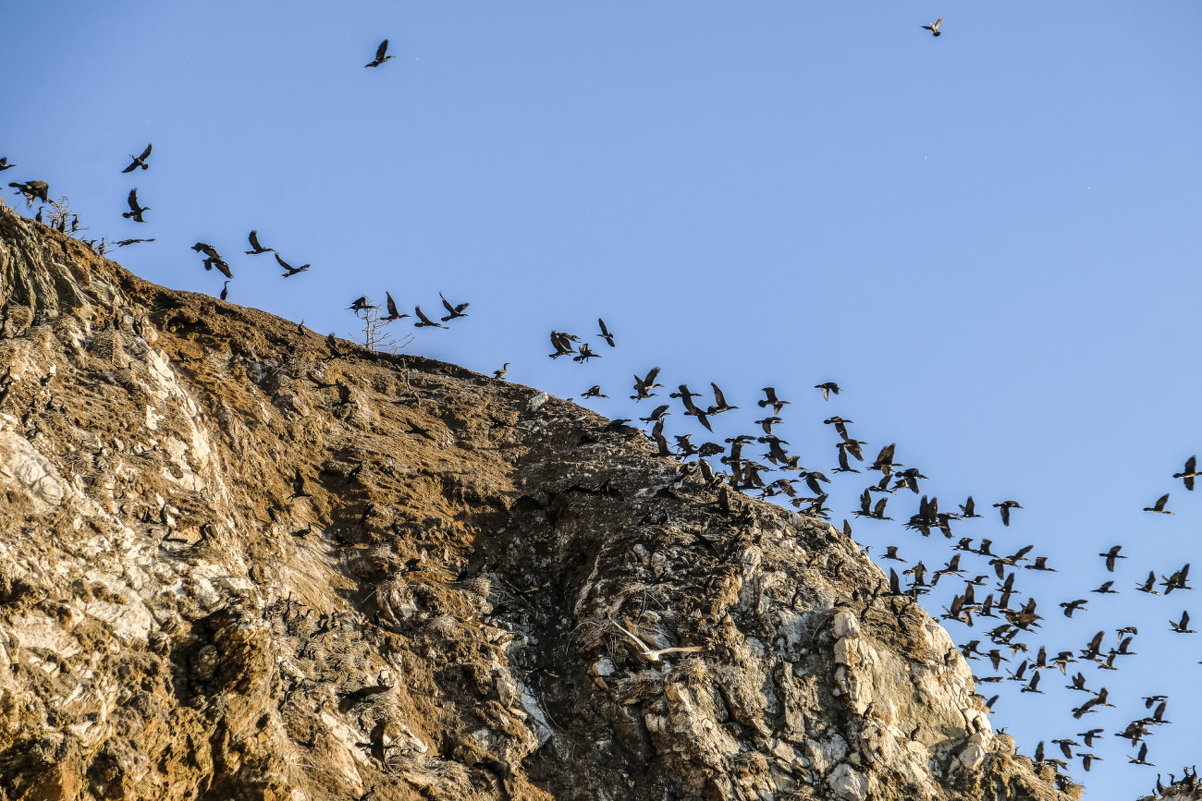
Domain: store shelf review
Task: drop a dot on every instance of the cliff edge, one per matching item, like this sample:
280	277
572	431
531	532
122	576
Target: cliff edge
235	564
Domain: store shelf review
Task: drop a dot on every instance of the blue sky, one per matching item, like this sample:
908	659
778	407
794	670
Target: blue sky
989	239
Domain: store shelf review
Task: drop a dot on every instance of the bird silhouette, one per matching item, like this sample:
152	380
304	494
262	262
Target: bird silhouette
4	165
395	314
289	270
453	311
827	388
33	190
381	55
213	259
1004	507
257	248
423	320
135	211
605	333
139	161
934	27
1158	507
1190	473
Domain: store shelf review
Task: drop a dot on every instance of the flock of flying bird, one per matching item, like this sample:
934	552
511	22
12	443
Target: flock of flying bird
747	474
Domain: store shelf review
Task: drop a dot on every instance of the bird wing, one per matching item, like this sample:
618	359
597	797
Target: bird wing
1191	464
447	304
133	200
634	637
146	152
604	330
392	309
278	260
382	50
652	374
254	240
937	23
1161	501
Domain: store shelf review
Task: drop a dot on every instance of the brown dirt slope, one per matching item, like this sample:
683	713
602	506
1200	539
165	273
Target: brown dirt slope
236	566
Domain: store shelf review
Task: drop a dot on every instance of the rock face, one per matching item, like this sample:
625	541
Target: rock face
234	565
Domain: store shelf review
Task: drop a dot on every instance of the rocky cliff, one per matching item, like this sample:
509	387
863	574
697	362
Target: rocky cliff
239	563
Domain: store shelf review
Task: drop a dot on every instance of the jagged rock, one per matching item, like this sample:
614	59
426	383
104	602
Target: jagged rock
222	579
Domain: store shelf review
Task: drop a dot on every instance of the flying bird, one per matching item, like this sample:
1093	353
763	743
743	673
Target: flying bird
453	311
653	654
381	55
4	165
827	388
289	270
33	190
135	211
213	259
770	399
1190	473
360	304
593	392
643	386
139	161
1158	507
257	248
1182	626
423	320
605	333
395	314
1111	555
934	27
125	242
1004	507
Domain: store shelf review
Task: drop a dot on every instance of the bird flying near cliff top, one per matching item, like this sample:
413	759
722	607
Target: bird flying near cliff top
33	190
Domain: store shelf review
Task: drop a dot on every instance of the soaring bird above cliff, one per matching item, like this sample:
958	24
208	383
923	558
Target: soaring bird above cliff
395	314
644	385
139	161
4	165
289	270
653	654
423	320
1158	507
595	392
257	248
135	211
213	259
453	310
125	242
934	27
381	56
33	190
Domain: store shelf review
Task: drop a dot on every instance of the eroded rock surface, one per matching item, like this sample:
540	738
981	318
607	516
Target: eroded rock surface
234	566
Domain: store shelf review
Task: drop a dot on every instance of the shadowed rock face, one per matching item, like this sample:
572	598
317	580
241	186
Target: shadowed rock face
427	615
